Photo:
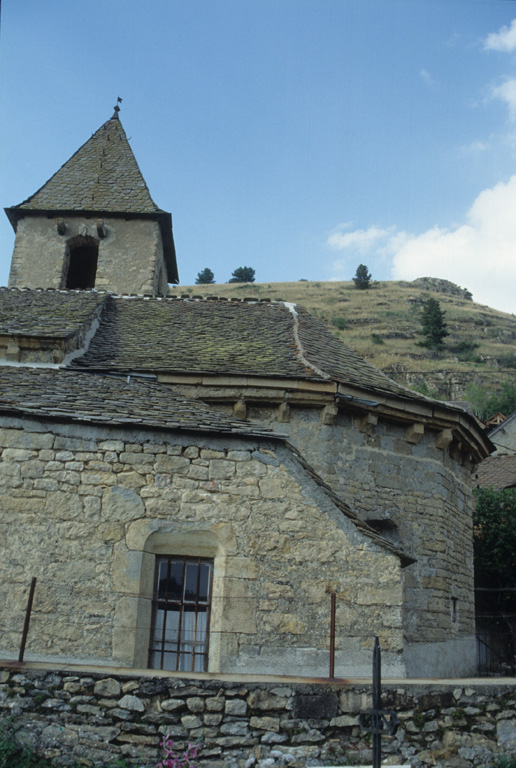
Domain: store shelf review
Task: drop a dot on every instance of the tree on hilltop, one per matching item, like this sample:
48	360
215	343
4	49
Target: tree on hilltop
242	275
205	277
362	278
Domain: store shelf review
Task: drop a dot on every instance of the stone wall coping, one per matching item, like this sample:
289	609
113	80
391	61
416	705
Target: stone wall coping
277	679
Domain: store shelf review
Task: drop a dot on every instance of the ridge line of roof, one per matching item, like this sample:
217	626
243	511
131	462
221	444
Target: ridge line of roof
145	296
292	309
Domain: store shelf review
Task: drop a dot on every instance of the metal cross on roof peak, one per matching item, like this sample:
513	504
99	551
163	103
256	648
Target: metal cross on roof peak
116	108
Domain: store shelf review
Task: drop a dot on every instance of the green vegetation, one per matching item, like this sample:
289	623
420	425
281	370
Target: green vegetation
466	350
362	278
504	761
508	360
494	539
424	389
340	323
205	277
486	403
242	275
434	327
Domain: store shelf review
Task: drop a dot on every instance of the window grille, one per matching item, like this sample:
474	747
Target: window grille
180	614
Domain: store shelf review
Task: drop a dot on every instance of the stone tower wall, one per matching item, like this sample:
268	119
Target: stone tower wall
130	257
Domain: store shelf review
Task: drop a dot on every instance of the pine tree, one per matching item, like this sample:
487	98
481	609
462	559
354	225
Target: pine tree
433	324
242	275
362	278
205	277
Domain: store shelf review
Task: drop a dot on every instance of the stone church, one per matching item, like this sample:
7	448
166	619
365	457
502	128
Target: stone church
190	480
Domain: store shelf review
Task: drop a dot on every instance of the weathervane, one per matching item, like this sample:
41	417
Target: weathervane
117	108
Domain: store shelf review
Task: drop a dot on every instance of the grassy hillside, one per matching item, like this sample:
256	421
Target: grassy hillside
382	324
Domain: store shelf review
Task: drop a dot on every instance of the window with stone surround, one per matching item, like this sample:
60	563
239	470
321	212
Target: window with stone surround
181	614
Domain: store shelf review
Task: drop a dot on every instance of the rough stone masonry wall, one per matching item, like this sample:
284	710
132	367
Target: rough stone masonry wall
86	510
384	475
129	261
94	718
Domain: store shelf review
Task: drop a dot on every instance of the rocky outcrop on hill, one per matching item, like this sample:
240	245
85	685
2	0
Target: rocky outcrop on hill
439	285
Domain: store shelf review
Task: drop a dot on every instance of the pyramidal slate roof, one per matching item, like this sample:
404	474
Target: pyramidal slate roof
102	175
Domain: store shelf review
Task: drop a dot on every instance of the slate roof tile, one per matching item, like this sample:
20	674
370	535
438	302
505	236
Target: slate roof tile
56	314
85	397
497	472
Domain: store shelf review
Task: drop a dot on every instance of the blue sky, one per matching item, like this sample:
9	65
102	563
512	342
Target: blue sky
299	137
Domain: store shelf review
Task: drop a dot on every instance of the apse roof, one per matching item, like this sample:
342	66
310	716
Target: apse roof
216	336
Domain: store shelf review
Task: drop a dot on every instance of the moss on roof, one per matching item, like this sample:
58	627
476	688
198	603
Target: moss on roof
242	338
182	336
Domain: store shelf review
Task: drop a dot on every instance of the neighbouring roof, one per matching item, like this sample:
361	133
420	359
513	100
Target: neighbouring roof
500	428
111	401
495	420
497	472
53	314
216	336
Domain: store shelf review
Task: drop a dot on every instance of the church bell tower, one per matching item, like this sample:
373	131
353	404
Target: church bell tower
94	225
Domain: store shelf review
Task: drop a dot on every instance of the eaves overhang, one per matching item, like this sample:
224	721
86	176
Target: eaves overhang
434	414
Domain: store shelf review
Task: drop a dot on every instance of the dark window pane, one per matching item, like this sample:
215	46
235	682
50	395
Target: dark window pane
162	579
204	582
176	580
192	570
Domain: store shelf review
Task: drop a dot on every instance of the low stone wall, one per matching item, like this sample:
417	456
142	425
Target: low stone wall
94	717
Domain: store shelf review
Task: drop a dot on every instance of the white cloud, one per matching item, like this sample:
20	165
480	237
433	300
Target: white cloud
506	92
503	40
360	239
474	148
373	242
479	255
